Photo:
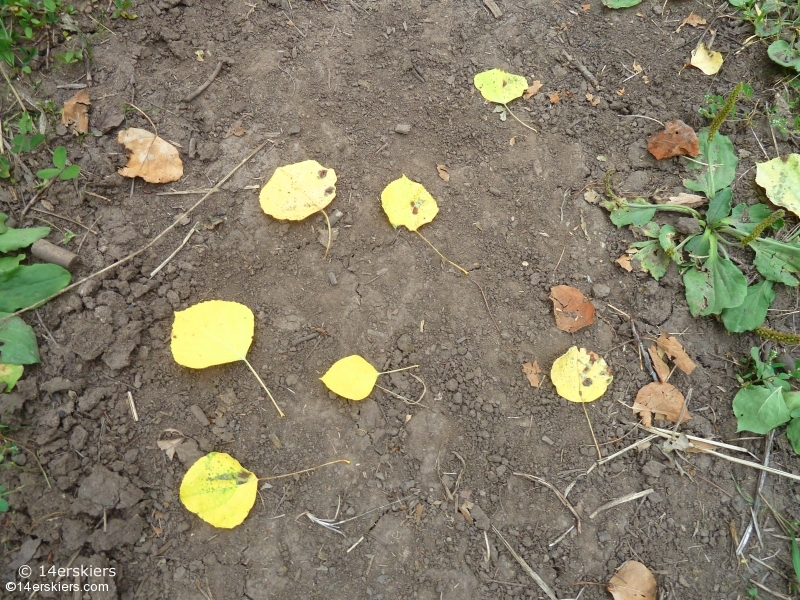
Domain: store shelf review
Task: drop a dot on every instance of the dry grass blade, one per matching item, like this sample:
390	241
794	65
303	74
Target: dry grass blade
622	500
560	496
539	581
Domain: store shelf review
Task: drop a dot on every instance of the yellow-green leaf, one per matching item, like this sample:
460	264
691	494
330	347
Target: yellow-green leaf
212	333
708	61
9	375
219	490
299	190
580	375
351	377
408	203
780	178
500	87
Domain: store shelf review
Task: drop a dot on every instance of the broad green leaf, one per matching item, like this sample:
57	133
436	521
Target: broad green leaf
780	178
219	490
759	409
500	87
18	341
720	285
629	213
719	207
298	190
784	54
14	239
666	238
25	286
698	290
351	377
620	3
8	263
9	375
212	333
580	375
753	311
651	258
792	400
793	434
71	172
24	143
699	246
744	218
60	157
777	261
47	173
3	219
408	203
720	164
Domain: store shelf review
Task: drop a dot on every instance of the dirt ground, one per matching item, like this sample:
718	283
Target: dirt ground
331	84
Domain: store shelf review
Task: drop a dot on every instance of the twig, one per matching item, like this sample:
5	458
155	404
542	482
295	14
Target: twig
539	581
44	212
644	354
203	87
624	450
132	406
670	434
486	302
60	577
757	502
560	496
328	221
38	195
192	231
581	69
684	408
85	235
621	500
13	90
133	255
769	591
333	462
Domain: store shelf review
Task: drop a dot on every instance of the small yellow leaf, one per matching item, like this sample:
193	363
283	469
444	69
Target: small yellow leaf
500	87
408	203
708	61
212	333
580	375
299	190
219	490
200	55
351	377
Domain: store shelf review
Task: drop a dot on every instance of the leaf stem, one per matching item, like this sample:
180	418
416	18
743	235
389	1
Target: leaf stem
518	119
261	381
398	370
591	429
442	256
333	462
328	221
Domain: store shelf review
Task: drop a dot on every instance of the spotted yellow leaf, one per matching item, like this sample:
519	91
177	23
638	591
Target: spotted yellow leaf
500	87
408	203
299	190
580	375
708	61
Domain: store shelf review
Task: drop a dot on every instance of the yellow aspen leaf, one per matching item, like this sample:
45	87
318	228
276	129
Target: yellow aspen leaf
212	333
580	375
351	377
149	157
298	190
708	61
219	490
500	87
408	203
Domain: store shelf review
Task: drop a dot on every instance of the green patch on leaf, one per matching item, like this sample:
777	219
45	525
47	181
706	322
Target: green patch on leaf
760	409
785	54
14	239
777	261
718	161
28	285
636	212
9	375
620	3
793	434
753	311
17	341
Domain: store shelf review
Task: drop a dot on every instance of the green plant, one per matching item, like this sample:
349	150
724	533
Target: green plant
24	24
122	10
3	501
713	104
28	137
766	399
776	20
61	170
70	57
714	283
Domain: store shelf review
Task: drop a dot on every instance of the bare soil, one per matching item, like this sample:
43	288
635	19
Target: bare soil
332	83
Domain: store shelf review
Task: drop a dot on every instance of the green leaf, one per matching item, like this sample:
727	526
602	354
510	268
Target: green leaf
720	164
719	207
777	260
60	157
14	239
784	54
3	226
71	172
629	213
792	400
753	311
780	178
5	168
651	258
25	286
7	263
3	505
47	173
620	3
18	341
721	285
745	218
759	409
23	143
666	239
793	433
9	375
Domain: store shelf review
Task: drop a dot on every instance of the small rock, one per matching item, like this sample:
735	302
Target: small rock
332	278
294	130
402	128
480	518
59	384
600	290
188	453
452	385
404	343
118	533
495	191
653	469
198	414
547	440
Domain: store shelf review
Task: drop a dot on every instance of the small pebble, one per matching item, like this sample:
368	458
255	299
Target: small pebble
402	128
331	277
275	441
495	191
335	216
198	414
294	129
547	440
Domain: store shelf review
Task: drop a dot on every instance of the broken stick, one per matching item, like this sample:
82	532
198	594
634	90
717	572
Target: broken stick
581	69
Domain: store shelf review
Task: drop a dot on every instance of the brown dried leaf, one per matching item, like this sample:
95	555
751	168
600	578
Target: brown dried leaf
633	581
554	97
76	112
169	446
593	100
532	90
677	139
676	352
532	373
573	310
661	399
443	172
149	157
624	261
235	129
693	19
464	511
662	370
684	199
